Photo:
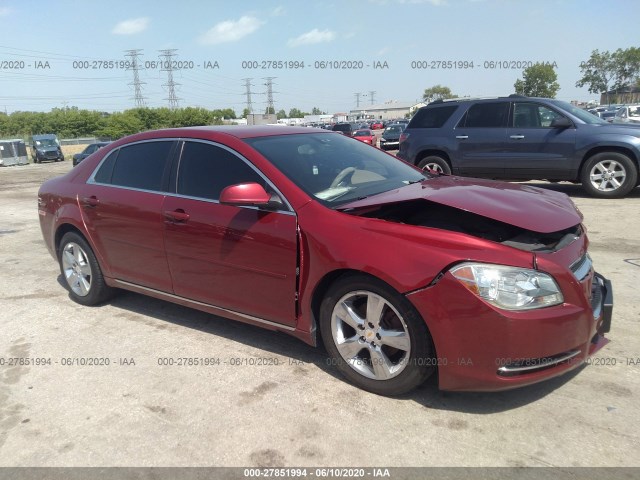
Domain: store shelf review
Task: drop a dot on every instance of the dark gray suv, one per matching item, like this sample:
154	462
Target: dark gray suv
524	138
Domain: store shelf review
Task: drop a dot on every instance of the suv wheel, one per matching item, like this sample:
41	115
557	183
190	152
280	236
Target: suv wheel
435	163
609	175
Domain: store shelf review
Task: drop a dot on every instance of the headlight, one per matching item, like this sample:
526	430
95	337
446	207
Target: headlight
510	288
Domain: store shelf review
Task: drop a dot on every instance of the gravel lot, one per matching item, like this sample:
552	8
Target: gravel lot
134	412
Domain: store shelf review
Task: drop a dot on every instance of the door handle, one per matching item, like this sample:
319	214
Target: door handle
91	201
178	215
517	137
462	137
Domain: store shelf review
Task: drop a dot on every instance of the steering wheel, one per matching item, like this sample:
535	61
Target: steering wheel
342	175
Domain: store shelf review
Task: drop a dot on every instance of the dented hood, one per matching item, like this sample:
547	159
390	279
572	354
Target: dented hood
531	208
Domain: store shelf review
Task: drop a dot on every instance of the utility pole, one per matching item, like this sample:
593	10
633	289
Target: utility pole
357	95
167	63
372	94
270	92
248	85
137	84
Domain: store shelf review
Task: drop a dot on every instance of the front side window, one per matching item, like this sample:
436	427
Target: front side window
141	165
532	115
205	170
432	117
486	115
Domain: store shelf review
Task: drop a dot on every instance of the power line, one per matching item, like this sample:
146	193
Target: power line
137	84
270	92
372	94
171	85
357	95
248	85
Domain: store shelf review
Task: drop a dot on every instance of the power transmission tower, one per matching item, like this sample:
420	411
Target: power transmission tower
357	95
372	94
248	85
167	63
137	84
270	92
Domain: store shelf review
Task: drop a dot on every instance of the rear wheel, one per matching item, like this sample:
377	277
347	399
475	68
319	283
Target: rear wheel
435	163
81	271
609	175
375	337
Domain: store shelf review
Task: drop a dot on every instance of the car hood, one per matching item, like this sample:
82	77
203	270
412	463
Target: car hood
523	206
618	128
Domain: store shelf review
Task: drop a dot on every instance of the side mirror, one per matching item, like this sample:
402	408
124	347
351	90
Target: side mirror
249	195
561	122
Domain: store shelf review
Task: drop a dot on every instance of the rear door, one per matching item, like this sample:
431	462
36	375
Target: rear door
239	258
479	140
535	149
121	205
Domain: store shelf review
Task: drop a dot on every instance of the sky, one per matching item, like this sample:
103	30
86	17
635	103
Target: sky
56	54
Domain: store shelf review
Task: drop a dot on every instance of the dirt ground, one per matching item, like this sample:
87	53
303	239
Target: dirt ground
296	410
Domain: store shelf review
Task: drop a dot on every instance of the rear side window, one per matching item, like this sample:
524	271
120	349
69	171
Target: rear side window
432	117
141	165
205	170
486	115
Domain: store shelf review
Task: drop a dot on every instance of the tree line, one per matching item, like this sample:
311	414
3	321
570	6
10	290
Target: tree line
75	123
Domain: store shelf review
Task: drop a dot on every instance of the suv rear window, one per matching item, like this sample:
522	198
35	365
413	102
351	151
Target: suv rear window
342	127
486	115
432	117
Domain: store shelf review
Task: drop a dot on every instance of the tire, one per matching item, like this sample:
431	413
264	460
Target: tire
435	163
81	271
361	348
609	175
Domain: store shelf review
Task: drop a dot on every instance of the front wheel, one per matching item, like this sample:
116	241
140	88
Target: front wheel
609	175
435	163
81	271
375	337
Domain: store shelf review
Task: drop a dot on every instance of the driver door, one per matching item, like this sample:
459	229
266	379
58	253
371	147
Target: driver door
240	258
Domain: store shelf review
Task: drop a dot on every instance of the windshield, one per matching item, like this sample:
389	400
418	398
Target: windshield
46	142
333	168
394	129
583	115
634	111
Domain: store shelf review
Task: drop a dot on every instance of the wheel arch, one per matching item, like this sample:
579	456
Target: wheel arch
429	152
601	149
325	283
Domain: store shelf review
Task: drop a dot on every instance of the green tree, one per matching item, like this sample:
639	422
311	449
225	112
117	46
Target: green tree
295	113
245	113
598	72
270	110
281	114
627	67
437	92
538	80
317	111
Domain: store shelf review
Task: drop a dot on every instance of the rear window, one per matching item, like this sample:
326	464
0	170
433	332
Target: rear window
342	127
140	166
486	115
432	117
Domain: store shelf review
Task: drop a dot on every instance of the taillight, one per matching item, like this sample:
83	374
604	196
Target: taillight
403	137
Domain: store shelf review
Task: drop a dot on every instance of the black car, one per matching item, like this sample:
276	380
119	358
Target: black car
524	138
91	148
391	137
345	128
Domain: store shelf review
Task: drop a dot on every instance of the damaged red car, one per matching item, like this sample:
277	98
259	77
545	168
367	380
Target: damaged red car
401	273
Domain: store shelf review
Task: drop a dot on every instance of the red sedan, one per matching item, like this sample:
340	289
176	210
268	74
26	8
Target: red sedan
377	125
402	273
366	136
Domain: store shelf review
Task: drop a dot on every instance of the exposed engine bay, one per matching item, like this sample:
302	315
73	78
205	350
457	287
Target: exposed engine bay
424	213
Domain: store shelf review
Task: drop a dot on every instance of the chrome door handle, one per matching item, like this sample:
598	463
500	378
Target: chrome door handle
462	137
517	137
177	215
